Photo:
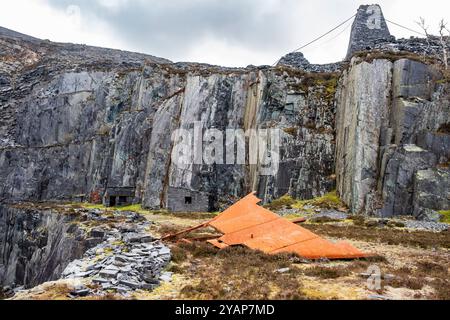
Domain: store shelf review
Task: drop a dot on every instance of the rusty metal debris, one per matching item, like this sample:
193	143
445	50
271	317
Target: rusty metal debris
247	223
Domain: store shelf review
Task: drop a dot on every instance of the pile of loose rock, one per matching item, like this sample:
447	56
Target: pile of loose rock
422	46
426	225
128	259
298	60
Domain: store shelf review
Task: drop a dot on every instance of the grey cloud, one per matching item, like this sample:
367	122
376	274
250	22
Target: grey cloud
165	27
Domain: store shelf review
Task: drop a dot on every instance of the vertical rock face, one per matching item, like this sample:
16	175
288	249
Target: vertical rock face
36	246
77	121
362	112
368	28
389	116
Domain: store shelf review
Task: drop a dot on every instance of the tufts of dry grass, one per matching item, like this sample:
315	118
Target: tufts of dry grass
285	201
327	272
422	239
327	201
323	219
370	56
239	273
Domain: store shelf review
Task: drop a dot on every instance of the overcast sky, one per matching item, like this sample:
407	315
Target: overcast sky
224	32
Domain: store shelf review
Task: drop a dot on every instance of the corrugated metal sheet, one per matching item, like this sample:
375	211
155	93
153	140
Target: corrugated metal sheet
247	223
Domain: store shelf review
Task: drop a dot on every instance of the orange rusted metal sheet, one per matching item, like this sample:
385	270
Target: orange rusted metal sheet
247	223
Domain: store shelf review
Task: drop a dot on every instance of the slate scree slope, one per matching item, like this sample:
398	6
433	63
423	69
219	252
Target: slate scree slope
92	124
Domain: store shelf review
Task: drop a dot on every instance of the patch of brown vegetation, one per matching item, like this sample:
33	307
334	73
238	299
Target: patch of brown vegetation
421	239
291	131
370	56
54	291
238	273
404	279
190	215
327	272
444	128
323	219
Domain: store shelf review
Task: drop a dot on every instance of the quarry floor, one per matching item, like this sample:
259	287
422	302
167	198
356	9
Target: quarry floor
412	265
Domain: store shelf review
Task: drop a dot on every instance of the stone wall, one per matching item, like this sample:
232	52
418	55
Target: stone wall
184	200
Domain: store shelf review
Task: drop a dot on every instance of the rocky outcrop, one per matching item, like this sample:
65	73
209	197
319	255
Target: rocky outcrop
46	242
36	245
298	60
388	120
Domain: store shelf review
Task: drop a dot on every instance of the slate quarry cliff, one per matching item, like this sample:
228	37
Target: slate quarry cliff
76	121
79	122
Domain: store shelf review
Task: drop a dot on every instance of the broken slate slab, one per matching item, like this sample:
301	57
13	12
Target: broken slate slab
130	284
137	237
83	274
80	293
164	251
166	277
92	242
97	233
109	274
100	280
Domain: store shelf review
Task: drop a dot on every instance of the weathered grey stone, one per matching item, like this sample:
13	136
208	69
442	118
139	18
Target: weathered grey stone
100	280
109	274
361	113
431	192
398	189
137	237
97	233
424	214
81	292
166	276
121	258
38	246
298	60
130	284
92	242
283	270
110	121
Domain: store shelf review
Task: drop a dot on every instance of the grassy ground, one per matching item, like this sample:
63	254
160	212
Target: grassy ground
445	216
418	260
327	201
417	263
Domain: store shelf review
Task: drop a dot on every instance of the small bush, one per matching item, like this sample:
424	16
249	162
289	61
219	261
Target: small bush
178	254
445	216
441	289
327	272
200	249
358	220
291	131
280	203
323	220
407	282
